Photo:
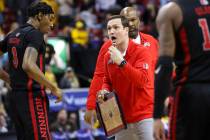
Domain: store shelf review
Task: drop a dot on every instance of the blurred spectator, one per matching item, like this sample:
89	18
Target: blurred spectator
53	4
95	38
163	2
3	124
50	75
3	90
62	124
14	26
1	34
65	13
2	7
73	119
9	18
2	110
50	52
69	79
81	5
79	35
89	17
104	5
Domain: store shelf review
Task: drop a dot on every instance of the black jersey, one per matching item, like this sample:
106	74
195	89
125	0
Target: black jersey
15	44
192	56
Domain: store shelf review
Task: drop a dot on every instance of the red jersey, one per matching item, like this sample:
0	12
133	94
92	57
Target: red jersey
131	82
96	84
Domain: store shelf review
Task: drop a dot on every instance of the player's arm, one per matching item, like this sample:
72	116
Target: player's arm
169	19
30	67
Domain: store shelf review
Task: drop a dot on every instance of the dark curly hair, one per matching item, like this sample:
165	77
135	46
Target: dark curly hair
39	7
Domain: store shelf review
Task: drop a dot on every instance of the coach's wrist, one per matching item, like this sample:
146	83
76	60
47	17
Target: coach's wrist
122	63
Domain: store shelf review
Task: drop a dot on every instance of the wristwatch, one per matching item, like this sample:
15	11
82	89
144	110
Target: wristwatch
122	63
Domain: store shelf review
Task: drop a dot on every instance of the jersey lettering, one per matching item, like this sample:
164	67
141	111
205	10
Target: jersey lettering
206	36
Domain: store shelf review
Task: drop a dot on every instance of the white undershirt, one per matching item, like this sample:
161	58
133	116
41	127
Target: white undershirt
136	40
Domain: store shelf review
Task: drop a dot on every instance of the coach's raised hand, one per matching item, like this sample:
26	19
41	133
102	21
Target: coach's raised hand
115	55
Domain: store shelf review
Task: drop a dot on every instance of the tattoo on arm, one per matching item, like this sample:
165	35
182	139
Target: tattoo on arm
32	69
30	55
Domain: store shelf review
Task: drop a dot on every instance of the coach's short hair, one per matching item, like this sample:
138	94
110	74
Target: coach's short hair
39	7
124	20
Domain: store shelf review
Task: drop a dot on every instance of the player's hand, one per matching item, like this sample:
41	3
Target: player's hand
101	95
115	55
57	92
158	133
90	116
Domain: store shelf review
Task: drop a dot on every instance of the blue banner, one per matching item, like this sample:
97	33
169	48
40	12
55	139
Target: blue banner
73	99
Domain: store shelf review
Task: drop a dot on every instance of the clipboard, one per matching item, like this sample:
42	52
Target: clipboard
110	115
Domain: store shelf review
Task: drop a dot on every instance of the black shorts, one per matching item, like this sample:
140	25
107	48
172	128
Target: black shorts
30	114
190	113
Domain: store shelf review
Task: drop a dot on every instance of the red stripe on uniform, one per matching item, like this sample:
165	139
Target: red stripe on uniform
32	110
41	67
46	113
186	50
174	114
171	101
43	94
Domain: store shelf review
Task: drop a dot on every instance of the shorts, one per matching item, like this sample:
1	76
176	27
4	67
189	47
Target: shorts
190	113
30	114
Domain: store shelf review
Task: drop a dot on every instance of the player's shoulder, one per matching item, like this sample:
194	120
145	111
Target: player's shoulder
168	11
169	7
35	32
34	35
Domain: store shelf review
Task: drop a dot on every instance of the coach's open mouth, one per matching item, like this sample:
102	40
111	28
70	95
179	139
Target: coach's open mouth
113	38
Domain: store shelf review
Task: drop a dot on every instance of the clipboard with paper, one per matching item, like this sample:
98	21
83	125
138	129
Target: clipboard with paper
110	115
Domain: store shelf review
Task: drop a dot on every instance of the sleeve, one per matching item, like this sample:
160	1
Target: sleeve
139	73
35	39
96	83
3	45
156	51
107	85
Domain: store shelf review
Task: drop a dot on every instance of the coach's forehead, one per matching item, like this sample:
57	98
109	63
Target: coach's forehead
116	21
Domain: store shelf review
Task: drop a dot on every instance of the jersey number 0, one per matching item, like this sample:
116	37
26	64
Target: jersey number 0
15	58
